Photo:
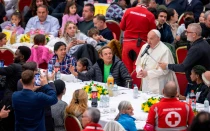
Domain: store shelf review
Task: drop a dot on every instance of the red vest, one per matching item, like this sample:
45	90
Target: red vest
170	114
137	21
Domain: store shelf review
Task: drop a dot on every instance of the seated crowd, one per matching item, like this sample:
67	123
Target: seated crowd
87	49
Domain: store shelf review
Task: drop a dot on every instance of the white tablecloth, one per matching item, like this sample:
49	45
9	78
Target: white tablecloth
124	94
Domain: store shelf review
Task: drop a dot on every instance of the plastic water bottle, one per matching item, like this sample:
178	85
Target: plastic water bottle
206	105
188	98
106	101
58	75
115	90
50	69
135	92
32	34
102	101
42	30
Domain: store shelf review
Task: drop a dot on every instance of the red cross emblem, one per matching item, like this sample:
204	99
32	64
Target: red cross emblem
173	119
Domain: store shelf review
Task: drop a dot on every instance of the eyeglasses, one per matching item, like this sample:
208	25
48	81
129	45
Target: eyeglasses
188	32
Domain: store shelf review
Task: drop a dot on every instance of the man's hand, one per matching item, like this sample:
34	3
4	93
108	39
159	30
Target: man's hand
163	65
142	74
4	113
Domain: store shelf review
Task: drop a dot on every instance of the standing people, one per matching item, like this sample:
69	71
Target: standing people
135	34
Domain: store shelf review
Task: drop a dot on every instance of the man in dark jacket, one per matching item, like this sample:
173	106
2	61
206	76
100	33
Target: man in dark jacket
174	4
163	27
198	53
59	10
103	67
13	74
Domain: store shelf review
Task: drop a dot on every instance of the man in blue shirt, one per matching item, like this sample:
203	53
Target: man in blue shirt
43	23
29	105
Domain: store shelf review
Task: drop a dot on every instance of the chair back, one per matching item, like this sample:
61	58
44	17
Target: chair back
181	54
43	65
115	28
181	19
72	123
182	81
7	55
113	126
116	47
23	3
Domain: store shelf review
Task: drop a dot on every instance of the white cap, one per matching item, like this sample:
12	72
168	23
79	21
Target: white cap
156	32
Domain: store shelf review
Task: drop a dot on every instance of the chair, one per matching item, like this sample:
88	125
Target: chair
23	3
115	28
182	81
181	19
43	65
7	55
181	53
116	47
113	126
72	123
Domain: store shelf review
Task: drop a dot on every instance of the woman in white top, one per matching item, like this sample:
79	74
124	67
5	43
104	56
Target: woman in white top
74	39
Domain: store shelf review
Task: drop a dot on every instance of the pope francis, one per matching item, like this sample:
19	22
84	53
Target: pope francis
153	52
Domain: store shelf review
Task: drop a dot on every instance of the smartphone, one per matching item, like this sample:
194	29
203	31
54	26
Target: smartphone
50	69
8	107
37	80
1	63
74	39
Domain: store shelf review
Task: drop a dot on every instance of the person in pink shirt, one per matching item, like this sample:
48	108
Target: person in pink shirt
70	14
15	24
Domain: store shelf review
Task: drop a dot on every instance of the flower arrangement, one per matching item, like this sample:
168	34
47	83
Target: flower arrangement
151	101
195	111
100	89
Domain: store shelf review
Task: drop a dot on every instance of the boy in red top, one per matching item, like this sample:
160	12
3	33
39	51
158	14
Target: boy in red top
136	23
169	113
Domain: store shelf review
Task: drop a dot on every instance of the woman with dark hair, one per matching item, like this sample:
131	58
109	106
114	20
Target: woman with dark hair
172	18
62	58
3	39
33	9
59	108
201	122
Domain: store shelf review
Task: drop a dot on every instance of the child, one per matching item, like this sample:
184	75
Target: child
39	40
82	65
70	14
3	39
94	33
15	24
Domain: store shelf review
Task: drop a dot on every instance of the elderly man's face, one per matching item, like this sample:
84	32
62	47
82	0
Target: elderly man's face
42	14
85	119
190	34
152	39
207	21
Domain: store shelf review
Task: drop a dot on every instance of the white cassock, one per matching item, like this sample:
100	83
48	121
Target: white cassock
156	77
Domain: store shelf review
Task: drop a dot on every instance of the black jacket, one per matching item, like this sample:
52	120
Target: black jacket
198	54
176	5
118	71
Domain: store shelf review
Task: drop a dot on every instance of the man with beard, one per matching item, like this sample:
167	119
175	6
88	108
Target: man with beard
13	74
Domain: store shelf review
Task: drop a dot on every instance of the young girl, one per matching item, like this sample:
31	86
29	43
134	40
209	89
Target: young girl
15	24
70	14
39	40
3	39
82	65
